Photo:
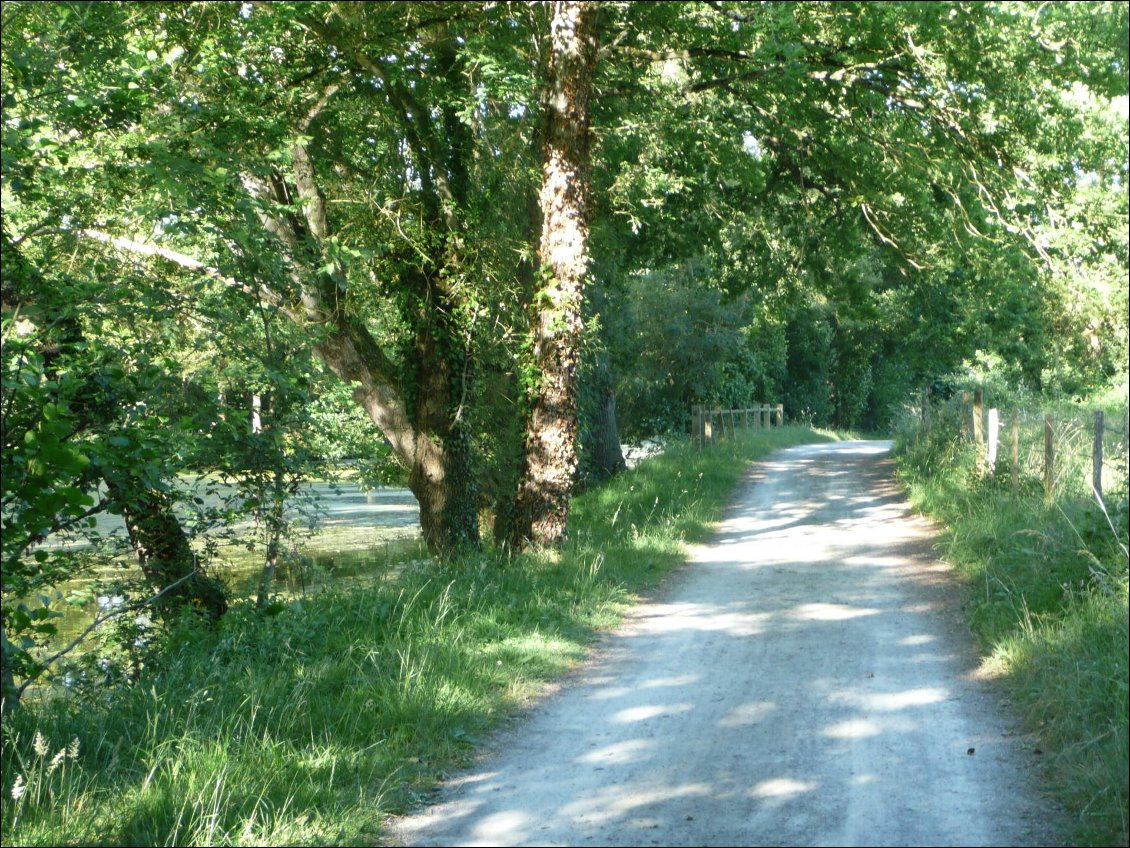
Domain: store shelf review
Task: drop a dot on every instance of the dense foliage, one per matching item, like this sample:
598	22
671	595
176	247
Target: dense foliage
465	246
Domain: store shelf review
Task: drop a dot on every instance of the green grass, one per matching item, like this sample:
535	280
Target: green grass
312	725
1048	589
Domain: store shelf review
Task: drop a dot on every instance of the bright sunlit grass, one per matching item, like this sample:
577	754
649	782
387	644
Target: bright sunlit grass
312	725
1048	591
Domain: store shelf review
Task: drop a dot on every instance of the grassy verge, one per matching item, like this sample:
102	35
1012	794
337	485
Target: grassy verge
312	725
1049	603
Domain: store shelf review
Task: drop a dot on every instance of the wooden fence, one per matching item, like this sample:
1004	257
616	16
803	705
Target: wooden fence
1086	450
703	418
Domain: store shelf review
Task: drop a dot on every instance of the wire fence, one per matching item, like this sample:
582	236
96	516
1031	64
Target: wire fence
709	424
1058	452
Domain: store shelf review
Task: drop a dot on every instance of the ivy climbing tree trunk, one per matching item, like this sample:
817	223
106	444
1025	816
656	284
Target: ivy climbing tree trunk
542	502
423	432
421	416
417	405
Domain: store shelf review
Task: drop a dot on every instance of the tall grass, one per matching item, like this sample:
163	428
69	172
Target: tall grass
1049	602
313	724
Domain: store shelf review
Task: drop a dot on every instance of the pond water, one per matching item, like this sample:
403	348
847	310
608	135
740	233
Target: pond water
342	505
359	535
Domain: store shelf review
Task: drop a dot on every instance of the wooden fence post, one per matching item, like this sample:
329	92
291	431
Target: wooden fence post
1016	452
704	431
1097	457
926	409
1049	458
978	423
1125	450
964	416
994	433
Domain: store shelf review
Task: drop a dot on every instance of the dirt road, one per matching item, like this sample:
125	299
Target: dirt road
806	680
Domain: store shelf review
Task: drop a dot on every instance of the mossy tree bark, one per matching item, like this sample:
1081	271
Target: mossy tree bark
542	502
417	405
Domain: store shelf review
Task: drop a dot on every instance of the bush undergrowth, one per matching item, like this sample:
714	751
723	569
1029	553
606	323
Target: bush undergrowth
313	724
1048	589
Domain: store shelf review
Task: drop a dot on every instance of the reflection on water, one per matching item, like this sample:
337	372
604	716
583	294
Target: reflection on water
381	507
335	505
359	537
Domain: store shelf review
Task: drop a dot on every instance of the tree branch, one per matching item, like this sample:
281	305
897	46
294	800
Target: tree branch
318	106
733	16
181	259
66	524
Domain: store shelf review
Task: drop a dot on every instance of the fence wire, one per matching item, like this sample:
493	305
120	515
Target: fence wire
1073	446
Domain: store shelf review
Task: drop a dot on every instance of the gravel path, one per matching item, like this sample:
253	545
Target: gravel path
806	680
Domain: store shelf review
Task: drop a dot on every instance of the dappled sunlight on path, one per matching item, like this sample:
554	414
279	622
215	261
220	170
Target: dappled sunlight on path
804	682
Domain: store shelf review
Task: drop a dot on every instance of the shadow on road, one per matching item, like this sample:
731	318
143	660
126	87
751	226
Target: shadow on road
807	681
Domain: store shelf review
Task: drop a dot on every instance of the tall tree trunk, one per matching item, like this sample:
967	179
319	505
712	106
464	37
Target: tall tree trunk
431	440
603	454
442	475
421	417
542	502
418	412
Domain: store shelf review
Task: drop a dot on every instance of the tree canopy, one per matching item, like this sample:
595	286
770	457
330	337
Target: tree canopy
351	209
